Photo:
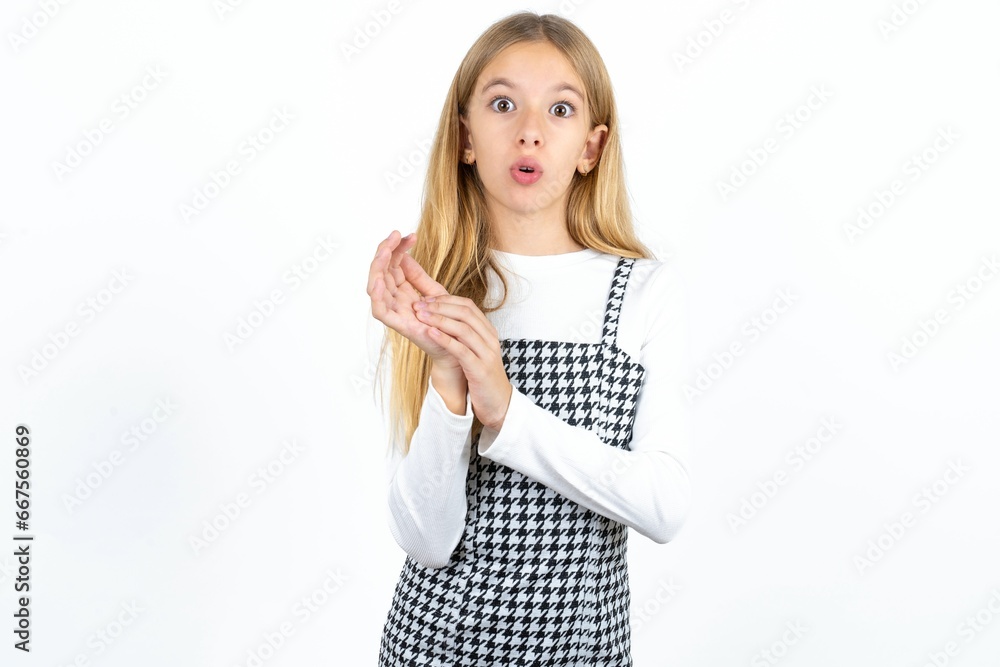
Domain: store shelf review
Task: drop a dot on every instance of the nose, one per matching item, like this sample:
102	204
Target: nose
529	132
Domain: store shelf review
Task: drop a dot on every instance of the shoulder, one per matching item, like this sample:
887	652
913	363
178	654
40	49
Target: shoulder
652	279
653	286
656	291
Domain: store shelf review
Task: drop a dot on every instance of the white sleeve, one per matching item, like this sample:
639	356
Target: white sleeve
646	487
427	504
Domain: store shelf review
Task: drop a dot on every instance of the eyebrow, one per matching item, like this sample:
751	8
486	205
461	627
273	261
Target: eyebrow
500	81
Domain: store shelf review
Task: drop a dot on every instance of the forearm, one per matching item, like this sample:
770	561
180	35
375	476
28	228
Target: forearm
427	505
648	491
452	387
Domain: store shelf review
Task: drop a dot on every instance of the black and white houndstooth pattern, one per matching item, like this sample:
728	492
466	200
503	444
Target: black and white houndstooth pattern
536	578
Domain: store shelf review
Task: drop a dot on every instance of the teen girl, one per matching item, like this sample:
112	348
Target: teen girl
533	426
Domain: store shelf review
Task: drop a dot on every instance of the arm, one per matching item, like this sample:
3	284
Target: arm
427	503
646	487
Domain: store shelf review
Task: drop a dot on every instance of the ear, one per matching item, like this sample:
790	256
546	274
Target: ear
592	149
467	152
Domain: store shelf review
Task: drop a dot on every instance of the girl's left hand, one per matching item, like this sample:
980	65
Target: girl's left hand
466	334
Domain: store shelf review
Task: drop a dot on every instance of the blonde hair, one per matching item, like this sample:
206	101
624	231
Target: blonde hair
454	235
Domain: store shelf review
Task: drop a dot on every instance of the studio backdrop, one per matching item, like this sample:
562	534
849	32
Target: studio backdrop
193	466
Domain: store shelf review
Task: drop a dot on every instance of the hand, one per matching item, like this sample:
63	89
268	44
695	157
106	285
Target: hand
462	330
395	282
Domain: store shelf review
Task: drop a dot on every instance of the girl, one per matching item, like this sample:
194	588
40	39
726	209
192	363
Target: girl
536	425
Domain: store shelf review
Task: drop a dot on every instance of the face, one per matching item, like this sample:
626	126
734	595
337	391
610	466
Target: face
529	105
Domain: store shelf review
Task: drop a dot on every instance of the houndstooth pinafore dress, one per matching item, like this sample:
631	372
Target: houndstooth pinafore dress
536	578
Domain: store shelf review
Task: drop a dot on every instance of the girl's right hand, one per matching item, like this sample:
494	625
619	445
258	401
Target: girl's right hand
395	282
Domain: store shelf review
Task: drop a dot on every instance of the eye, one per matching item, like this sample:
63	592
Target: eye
561	109
501	98
567	109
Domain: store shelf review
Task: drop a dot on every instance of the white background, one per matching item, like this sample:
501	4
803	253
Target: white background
714	596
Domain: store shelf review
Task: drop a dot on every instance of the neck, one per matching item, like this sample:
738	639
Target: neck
535	235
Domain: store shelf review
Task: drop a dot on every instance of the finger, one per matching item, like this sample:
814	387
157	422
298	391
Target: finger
465	309
388	254
388	243
399	250
416	276
393	270
463	326
374	271
385	310
453	346
395	315
380	305
379	262
395	277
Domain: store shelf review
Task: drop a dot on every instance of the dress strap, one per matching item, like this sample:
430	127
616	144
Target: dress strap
614	306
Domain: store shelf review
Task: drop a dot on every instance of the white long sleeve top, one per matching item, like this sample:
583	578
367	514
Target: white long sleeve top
561	297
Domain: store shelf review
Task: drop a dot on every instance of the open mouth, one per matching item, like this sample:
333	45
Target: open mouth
526	171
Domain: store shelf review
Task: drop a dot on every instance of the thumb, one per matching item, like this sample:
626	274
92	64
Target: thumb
417	277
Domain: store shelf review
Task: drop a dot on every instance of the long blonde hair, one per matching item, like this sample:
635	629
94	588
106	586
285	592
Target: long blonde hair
454	234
